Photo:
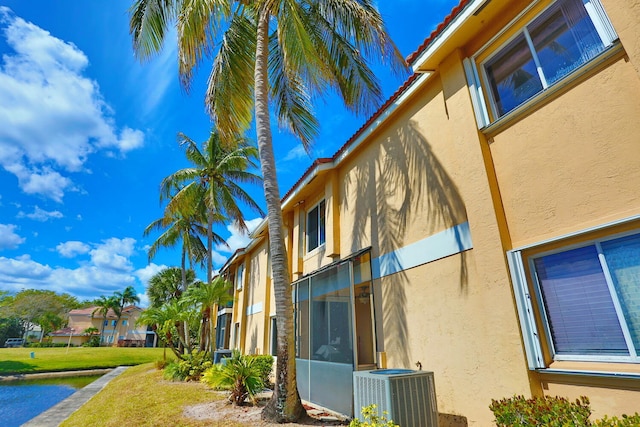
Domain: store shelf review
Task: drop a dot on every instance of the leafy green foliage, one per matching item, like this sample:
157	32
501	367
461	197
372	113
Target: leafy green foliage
553	412
541	411
372	419
189	368
625	421
264	363
239	374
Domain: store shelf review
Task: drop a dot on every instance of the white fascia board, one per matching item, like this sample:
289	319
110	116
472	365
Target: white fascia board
441	38
319	168
383	116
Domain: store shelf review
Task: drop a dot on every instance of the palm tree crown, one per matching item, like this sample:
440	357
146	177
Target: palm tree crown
278	54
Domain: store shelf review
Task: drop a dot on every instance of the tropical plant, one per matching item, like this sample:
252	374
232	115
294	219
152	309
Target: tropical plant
213	183
179	225
312	47
239	374
188	367
207	296
124	299
519	411
264	363
166	285
103	305
372	419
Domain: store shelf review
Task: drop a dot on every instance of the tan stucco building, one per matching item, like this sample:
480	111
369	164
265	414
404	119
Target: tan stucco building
123	332
484	223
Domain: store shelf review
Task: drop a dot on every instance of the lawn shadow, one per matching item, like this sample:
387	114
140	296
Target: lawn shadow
10	367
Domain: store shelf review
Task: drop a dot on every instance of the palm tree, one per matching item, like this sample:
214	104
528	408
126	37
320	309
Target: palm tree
179	225
215	178
207	297
103	305
124	298
166	285
313	46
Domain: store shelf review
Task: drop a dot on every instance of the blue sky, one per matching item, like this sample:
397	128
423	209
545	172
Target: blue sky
87	133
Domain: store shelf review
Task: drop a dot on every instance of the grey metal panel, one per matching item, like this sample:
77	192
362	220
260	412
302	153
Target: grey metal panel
407	396
332	386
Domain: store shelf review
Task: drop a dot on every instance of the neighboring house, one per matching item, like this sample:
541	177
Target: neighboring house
124	333
484	223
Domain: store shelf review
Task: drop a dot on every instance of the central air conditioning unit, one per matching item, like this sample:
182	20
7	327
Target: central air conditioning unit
408	397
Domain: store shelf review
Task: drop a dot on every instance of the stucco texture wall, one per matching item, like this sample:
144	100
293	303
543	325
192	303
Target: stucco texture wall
421	174
574	162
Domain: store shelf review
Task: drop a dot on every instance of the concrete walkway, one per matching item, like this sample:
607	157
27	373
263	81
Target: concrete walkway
54	416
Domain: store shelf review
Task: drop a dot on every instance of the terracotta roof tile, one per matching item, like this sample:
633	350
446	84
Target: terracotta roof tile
439	29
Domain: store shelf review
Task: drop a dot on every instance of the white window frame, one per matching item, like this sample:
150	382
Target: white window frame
526	299
321	243
478	81
240	277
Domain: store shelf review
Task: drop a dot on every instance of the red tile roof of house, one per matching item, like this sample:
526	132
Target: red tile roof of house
439	29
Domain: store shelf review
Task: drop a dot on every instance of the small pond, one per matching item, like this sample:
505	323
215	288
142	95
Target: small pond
22	400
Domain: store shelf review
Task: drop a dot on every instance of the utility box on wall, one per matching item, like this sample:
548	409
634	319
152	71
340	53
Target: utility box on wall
408	397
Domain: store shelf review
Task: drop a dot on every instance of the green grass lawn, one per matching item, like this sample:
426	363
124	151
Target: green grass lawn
140	397
19	361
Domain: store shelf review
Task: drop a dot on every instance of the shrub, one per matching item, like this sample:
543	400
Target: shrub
625	421
239	374
94	341
372	419
541	411
189	368
264	363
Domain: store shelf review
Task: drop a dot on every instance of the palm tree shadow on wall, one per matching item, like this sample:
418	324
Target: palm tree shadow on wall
395	186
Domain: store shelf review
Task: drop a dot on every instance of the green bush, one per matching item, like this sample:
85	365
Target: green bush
264	363
94	341
541	411
625	421
239	374
46	344
372	419
189	368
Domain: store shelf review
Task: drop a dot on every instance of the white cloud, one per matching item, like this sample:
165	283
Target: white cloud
237	239
72	248
108	270
52	117
297	152
41	215
9	239
145	274
114	254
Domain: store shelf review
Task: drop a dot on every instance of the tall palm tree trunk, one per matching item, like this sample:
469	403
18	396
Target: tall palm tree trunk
210	277
285	404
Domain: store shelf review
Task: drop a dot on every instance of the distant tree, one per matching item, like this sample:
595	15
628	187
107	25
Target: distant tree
10	328
212	183
166	285
103	305
181	225
206	297
37	307
124	299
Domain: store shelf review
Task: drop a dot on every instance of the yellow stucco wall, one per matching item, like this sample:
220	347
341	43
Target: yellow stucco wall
427	169
421	174
255	299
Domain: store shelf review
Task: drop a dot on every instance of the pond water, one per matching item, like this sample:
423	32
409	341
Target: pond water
22	400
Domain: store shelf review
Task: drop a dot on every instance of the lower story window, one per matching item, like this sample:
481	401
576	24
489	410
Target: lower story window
589	299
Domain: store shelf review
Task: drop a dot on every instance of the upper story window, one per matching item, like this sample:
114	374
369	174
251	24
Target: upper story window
316	232
240	277
549	47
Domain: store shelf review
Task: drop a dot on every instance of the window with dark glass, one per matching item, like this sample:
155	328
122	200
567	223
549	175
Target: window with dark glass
591	299
316	226
567	35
